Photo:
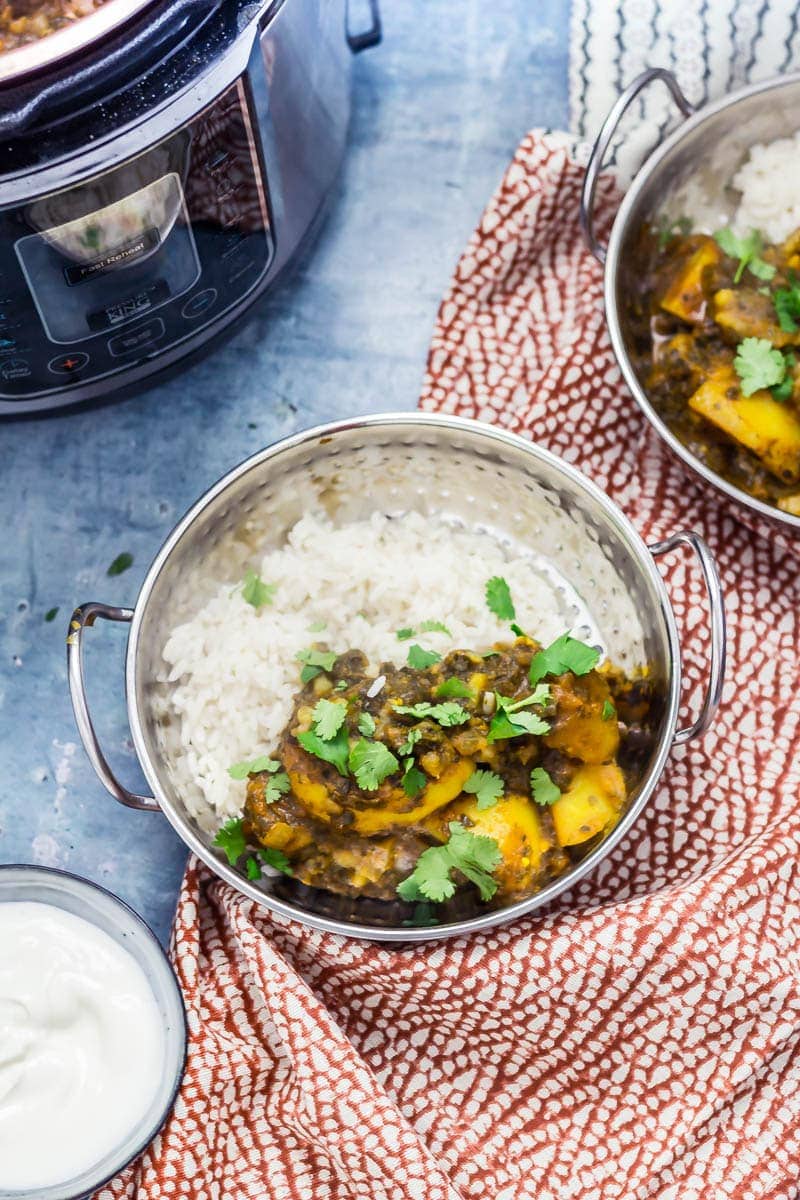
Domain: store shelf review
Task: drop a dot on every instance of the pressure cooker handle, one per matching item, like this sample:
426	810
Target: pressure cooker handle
603	141
82	619
368	37
716	604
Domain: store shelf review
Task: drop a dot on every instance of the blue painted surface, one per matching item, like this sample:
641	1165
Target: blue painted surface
438	110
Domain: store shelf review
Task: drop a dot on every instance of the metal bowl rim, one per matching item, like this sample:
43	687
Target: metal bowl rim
392	933
771	512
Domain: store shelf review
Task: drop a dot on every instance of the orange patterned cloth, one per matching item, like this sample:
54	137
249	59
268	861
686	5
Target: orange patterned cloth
640	1038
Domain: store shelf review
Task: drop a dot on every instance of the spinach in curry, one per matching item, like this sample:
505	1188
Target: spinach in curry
715	338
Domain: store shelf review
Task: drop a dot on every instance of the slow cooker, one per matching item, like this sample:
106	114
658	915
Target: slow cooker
162	161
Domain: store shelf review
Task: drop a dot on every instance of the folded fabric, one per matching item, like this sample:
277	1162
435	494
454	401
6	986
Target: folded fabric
640	1038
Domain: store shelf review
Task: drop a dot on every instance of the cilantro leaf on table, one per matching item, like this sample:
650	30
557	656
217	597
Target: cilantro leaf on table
251	766
413	780
748	251
419	658
51	614
608	711
371	763
366	724
447	714
256	592
758	365
231	840
120	564
334	751
486	786
454	688
316	661
566	653
328	717
498	598
474	855
543	790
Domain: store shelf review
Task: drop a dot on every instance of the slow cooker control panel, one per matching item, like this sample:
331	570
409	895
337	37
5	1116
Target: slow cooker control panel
124	266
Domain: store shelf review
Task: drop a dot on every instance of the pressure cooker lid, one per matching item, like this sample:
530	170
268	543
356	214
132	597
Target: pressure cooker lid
69	40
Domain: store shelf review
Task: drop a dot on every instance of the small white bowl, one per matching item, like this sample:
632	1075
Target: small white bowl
107	912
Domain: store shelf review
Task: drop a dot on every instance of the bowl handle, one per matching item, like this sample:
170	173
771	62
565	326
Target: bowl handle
609	128
716	605
82	619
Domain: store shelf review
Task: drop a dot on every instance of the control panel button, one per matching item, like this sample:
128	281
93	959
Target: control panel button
199	304
136	339
15	368
68	364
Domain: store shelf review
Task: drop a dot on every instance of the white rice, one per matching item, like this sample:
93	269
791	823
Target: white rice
763	194
233	672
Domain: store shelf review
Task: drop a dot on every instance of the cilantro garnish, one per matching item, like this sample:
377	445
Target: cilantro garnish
342	686
275	858
486	786
51	614
787	305
371	763
472	854
328	717
543	790
758	365
453	688
785	389
334	751
515	629
403	635
419	659
446	714
247	767
316	661
256	592
608	711
120	564
413	780
667	229
275	787
408	745
231	840
366	724
423	917
317	627
498	598
252	869
566	653
748	251
510	721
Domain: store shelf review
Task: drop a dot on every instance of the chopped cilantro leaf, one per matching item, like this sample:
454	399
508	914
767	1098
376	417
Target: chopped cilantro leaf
408	745
498	598
785	390
434	627
490	654
413	780
446	714
328	717
371	763
423	917
486	786
317	627
543	790
120	564
787	306
403	635
510	720
51	614
342	686
758	365
275	787
515	629
748	250
667	229
608	712
474	855
231	840
453	688
252	869
250	766
276	859
256	592
566	653
419	659
366	724
316	661
334	751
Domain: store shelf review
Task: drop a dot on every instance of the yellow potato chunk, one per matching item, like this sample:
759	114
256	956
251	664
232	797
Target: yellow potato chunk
514	824
590	804
288	838
310	791
758	422
580	730
392	807
686	297
744	312
790	504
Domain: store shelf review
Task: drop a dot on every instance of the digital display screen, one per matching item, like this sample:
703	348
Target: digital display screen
131	306
120	256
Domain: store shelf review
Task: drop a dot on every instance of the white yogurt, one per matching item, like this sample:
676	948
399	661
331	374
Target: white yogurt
81	1045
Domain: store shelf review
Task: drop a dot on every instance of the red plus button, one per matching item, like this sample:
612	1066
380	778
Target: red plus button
68	364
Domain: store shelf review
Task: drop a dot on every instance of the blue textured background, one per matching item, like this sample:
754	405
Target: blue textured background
438	110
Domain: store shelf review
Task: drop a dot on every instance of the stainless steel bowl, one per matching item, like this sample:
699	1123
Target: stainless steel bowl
467	473
709	144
